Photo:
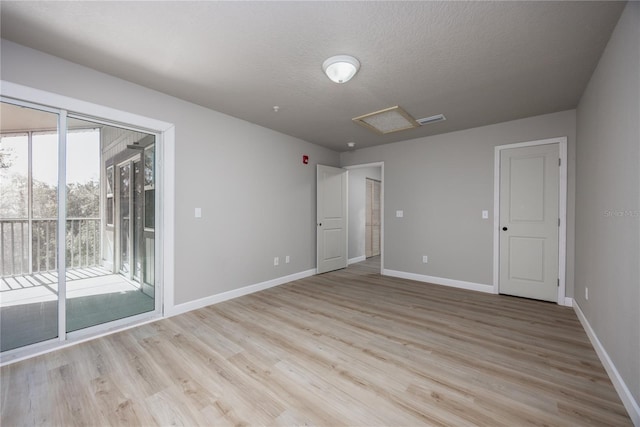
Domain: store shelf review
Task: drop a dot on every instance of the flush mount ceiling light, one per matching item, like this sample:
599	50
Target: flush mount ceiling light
389	120
341	68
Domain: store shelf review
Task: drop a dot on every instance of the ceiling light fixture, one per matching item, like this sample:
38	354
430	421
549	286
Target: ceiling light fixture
341	68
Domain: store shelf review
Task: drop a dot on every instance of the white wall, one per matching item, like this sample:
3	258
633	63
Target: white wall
257	198
442	183
357	209
608	200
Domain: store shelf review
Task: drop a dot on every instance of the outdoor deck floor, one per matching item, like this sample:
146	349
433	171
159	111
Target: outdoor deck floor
29	309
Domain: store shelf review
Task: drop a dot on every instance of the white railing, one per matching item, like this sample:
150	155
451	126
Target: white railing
30	246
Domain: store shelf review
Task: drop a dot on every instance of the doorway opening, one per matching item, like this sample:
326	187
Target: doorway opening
366	215
372	218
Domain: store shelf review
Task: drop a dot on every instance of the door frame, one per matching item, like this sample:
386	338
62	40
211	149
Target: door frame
562	214
372	165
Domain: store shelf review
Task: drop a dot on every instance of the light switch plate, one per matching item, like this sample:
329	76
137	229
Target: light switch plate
198	213
485	214
399	214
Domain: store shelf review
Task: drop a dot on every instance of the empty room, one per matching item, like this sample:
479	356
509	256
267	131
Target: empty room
367	213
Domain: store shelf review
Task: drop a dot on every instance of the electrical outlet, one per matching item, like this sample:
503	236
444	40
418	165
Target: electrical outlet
287	259
425	259
586	294
276	261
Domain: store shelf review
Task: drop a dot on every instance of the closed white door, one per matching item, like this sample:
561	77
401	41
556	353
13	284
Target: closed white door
331	218
529	221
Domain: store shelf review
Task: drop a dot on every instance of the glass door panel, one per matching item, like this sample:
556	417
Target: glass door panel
138	209
148	283
125	218
28	226
111	177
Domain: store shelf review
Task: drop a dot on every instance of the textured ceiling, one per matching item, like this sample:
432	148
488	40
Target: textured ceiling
476	62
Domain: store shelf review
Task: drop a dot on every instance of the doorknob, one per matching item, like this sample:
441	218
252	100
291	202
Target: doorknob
504	228
319	224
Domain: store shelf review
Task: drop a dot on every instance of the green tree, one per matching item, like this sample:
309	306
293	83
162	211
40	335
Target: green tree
13	195
5	160
83	200
82	237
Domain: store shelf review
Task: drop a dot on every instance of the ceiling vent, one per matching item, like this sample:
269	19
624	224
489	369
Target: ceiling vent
432	119
389	120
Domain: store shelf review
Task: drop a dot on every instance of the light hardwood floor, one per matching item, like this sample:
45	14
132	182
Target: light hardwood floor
344	348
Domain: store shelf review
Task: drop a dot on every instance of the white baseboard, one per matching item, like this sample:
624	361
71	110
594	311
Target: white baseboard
629	402
568	302
356	260
235	293
440	281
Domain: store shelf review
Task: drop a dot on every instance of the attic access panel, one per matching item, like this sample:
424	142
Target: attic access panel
389	120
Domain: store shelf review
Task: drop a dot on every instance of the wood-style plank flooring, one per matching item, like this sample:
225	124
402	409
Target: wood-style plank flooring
344	348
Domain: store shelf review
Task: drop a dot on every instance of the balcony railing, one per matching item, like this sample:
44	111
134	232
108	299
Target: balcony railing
31	246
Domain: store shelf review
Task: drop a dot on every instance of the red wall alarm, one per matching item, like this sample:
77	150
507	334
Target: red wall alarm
305	159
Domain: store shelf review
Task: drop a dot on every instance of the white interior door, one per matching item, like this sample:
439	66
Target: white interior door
331	218
529	220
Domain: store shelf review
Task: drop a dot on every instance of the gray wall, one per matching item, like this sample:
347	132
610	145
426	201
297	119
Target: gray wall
257	198
608	199
357	210
443	183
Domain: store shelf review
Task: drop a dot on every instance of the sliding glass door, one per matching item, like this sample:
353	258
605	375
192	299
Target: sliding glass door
28	218
102	268
124	220
117	292
136	188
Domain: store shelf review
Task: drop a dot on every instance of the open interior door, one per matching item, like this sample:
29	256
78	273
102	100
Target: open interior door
331	221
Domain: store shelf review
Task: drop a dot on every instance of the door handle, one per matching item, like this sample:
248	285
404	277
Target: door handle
319	224
504	228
